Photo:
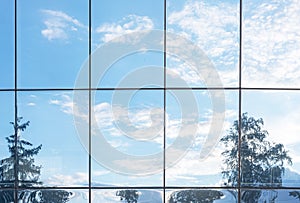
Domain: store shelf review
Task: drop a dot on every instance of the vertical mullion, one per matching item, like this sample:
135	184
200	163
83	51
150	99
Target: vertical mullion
90	95
165	77
16	182
240	101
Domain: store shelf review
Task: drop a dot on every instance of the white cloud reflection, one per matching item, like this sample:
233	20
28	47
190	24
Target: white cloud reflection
141	118
59	25
127	25
271	43
214	28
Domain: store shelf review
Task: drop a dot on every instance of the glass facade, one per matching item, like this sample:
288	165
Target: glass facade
149	101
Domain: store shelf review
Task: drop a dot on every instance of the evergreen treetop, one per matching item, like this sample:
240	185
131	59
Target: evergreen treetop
21	159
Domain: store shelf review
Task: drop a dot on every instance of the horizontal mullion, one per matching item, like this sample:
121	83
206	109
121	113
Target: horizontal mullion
151	88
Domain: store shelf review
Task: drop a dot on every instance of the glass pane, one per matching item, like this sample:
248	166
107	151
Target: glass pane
7	44
139	70
63	159
278	196
7	196
52	43
125	45
127	195
271	43
6	130
212	26
270	148
54	195
193	195
114	18
196	121
127	138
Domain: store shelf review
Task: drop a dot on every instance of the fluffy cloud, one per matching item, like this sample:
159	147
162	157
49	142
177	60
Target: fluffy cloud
65	102
271	43
214	28
59	25
271	40
188	167
121	121
127	25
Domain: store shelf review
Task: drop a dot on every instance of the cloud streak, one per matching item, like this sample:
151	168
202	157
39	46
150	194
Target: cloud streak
59	25
128	24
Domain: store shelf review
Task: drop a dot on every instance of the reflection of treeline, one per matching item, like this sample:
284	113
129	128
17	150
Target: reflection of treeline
129	196
259	164
36	196
195	196
251	160
20	170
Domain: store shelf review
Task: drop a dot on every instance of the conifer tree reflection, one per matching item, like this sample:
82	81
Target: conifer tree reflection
20	170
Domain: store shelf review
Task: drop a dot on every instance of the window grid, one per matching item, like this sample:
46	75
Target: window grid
240	90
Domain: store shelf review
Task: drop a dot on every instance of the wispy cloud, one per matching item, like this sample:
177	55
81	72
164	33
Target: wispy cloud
31	104
140	119
59	25
271	43
65	102
130	122
127	25
214	28
191	169
283	125
271	40
188	171
76	179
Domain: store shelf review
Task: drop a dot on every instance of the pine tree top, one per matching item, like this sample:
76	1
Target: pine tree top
21	159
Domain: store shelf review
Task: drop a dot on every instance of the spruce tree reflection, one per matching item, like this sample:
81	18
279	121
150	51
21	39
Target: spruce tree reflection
19	169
